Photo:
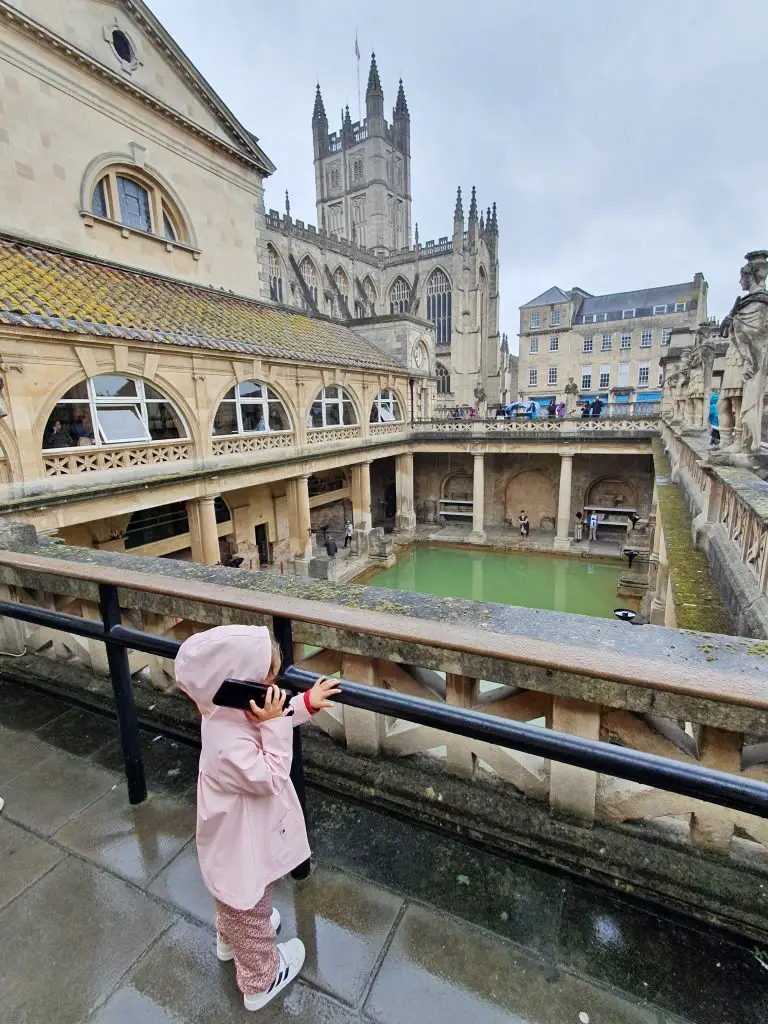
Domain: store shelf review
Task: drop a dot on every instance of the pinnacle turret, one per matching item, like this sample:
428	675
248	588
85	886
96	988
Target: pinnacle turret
318	114
374	94
473	206
458	213
401	107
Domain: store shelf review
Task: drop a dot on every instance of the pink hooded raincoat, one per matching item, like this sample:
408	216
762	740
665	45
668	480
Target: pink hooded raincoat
250	828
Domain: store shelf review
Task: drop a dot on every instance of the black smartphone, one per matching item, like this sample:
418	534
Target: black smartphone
234	693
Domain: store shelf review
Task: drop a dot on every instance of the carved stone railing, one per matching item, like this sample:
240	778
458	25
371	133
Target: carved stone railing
695	699
542	427
327	435
241	445
89	459
387	429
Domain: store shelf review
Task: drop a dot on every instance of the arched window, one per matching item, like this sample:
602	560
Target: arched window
250	408
309	277
275	275
439	305
482	302
342	283
386	408
443	380
112	409
332	408
370	295
400	296
131	197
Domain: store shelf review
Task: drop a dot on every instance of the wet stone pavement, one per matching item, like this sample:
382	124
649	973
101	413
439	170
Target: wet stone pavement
104	918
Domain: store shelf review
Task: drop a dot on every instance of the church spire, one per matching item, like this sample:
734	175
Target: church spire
473	206
458	213
401	107
374	94
318	114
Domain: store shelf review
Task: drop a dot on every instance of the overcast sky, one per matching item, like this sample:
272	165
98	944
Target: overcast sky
623	141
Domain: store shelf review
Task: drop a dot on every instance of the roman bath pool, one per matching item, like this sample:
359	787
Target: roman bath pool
532	580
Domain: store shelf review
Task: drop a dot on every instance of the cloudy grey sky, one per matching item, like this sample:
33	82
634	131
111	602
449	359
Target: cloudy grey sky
623	141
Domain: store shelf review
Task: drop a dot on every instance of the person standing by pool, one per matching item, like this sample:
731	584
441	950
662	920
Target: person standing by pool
348	532
593	525
525	525
578	527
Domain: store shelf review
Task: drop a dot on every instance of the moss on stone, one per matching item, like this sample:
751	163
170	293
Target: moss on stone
761	648
698	602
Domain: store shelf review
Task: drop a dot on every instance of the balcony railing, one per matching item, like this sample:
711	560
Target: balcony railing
327	435
262	442
89	459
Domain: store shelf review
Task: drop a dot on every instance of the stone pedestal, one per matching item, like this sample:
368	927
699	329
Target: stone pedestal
381	548
325	568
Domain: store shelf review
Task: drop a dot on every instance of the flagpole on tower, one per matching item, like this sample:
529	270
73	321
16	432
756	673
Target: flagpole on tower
359	105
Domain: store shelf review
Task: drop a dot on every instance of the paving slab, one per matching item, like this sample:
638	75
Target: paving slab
700	975
67	941
46	796
79	732
23	859
180	980
181	883
343	922
19	751
25	709
440	971
133	842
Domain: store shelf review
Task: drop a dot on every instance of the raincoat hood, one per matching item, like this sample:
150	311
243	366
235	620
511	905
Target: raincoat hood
206	659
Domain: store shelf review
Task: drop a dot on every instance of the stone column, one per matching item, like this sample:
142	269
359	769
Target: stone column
478	500
659	601
203	531
304	522
405	520
361	496
562	538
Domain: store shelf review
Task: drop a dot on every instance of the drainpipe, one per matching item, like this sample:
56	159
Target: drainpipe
411	383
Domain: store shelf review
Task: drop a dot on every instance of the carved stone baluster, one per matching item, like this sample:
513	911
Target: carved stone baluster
572	791
712	826
363	729
460	692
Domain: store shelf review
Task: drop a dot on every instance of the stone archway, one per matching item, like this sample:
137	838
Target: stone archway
458	487
612	492
535	492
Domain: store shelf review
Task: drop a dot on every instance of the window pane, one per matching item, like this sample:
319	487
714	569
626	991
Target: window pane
58	431
332	415
249	389
349	413
164	424
153	394
253	418
170	234
225	420
134	204
278	418
331	392
122	424
79	391
99	201
316	416
110	386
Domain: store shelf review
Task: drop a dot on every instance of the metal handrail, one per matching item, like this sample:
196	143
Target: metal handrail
723	788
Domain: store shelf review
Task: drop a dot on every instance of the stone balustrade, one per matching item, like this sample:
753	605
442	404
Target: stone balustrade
124	456
575	427
697	699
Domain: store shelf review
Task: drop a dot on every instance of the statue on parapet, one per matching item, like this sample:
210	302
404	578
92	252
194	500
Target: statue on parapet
571	390
682	380
702	356
740	406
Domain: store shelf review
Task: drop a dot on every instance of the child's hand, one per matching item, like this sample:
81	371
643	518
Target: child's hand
321	691
274	705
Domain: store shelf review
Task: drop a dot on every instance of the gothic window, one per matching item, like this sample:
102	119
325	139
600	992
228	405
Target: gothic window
332	408
386	408
370	295
250	408
112	409
439	305
275	275
342	283
133	198
443	380
357	170
358	219
334	178
309	277
400	296
336	219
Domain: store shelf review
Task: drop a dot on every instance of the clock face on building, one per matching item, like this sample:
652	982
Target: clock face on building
418	355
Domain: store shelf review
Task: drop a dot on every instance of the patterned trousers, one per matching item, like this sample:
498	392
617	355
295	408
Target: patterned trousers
252	938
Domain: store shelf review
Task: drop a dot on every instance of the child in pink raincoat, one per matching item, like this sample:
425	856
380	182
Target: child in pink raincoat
250	827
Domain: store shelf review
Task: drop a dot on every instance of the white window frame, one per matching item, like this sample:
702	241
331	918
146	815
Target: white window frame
605	376
606	342
325	402
680	307
266	399
586	378
554	318
554	344
625	344
646	338
534	320
399	296
589	341
623	378
666	335
627	314
658	310
533	376
589	318
533	346
643	368
552	376
387	407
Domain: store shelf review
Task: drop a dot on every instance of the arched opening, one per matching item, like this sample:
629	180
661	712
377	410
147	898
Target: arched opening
439	305
250	408
112	409
612	492
332	407
386	408
308	273
275	274
458	487
443	379
400	296
369	290
341	281
533	491
131	196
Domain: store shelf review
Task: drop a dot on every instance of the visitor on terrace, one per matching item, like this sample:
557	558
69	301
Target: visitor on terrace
250	826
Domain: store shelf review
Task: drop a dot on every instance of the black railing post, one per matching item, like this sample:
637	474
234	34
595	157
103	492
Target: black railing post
284	637
120	674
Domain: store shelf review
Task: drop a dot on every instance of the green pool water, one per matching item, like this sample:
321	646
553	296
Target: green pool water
533	581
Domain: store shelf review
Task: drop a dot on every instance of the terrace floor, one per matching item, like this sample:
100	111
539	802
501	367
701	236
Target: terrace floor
104	919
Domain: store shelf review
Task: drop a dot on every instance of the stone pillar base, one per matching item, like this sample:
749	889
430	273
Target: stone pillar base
301	566
658	612
562	544
360	542
405	522
478	537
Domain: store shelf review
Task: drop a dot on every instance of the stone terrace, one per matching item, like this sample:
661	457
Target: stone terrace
103	917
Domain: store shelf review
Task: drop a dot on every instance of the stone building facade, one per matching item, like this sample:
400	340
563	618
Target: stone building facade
611	345
363	263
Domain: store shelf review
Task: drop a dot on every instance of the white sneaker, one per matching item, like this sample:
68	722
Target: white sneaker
224	951
291	959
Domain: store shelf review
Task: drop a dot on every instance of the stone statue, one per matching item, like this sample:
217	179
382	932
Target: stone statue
740	406
480	400
681	389
571	394
699	378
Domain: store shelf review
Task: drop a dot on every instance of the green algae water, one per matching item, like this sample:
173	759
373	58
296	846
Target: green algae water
533	581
